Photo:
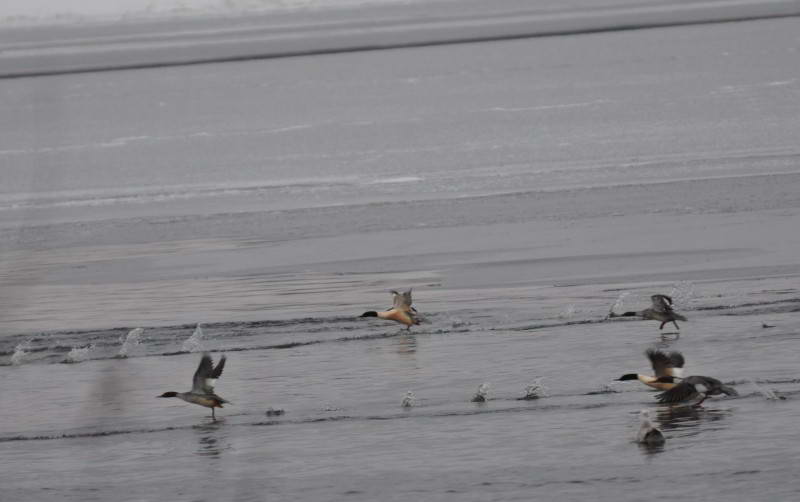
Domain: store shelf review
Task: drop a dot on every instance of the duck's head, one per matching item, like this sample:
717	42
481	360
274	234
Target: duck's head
628	376
169	394
371	313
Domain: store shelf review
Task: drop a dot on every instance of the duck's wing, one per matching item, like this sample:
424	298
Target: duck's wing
678	394
661	303
407	297
711	385
206	375
660	362
401	301
677	361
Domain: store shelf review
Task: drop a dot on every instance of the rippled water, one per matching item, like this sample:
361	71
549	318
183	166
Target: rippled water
523	188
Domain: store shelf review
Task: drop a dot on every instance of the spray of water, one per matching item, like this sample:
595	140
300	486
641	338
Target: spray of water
20	353
568	312
618	303
409	400
79	354
195	342
133	339
482	394
682	294
767	393
535	390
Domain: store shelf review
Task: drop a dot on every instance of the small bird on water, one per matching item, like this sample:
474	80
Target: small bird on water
401	310
692	387
660	311
202	392
664	365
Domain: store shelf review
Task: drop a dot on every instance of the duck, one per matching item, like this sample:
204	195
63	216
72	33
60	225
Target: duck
692	387
661	310
664	365
648	433
202	392
401	310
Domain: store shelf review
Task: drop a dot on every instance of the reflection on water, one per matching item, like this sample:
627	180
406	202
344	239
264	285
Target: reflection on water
212	438
406	344
687	417
651	449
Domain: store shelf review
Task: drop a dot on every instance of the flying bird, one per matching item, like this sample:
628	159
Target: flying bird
202	392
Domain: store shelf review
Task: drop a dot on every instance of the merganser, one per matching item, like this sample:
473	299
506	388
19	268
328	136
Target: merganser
401	310
664	365
202	392
660	311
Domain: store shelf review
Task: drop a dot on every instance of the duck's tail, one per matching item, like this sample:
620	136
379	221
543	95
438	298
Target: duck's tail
679	317
729	391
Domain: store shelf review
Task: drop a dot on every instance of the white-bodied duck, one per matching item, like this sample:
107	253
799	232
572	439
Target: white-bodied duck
202	392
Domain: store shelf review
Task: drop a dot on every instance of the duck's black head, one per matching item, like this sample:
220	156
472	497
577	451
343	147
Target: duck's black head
169	394
629	376
371	313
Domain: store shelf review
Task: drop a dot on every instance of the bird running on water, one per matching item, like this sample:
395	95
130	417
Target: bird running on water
661	310
401	310
202	392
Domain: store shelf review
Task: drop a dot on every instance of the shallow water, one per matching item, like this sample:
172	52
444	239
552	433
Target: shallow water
522	188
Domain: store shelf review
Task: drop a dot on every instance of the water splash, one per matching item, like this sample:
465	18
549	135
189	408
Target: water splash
274	412
409	400
482	394
682	294
457	322
79	354
568	312
535	390
20	353
767	393
131	341
648	433
604	389
619	302
195	342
